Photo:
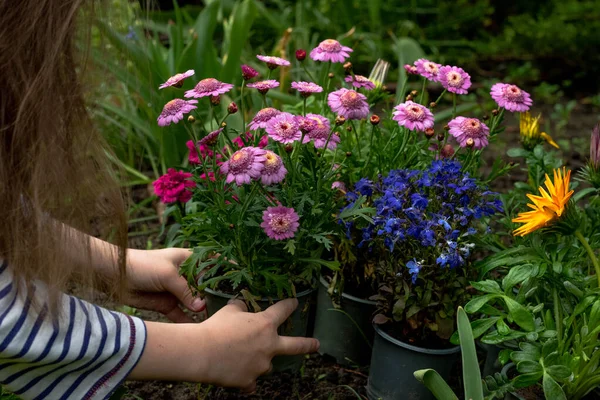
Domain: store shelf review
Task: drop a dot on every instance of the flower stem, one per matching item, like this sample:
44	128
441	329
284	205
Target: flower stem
308	73
441	95
400	95
557	316
242	106
422	91
453	105
304	106
590	252
357	139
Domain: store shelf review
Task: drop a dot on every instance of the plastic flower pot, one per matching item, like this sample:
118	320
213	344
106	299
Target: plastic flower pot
345	333
296	324
393	363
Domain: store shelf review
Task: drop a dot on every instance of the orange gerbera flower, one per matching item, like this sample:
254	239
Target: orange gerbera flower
547	207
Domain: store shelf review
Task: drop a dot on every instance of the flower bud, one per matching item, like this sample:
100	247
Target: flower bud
223	124
300	55
470	143
410	69
429	133
340	120
447	151
446	128
432	104
414	93
349	128
288	148
495	112
441	137
330	75
248	72
232	108
191	119
215	100
409	97
348	68
348	154
231	226
485	117
374	119
512	163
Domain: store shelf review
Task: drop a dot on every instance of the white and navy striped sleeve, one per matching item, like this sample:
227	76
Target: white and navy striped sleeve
84	354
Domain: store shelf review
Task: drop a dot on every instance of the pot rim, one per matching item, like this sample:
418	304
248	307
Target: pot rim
437	352
345	295
231	296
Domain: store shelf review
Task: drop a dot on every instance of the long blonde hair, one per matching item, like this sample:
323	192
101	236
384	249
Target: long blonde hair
53	164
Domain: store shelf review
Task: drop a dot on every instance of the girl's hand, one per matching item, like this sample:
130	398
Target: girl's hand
155	283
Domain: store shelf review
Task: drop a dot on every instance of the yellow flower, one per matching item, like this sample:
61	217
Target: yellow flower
530	131
547	207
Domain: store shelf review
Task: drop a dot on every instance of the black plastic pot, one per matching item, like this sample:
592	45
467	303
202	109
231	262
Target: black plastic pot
393	363
346	333
296	325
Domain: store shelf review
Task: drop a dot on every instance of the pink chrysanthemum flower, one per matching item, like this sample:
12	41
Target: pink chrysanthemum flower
341	186
413	116
209	87
280	222
174	186
410	69
359	81
511	97
464	129
273	62
306	88
454	79
348	103
284	128
274	170
212	138
248	72
262	118
330	50
173	111
317	129
177	79
244	165
428	69
264	86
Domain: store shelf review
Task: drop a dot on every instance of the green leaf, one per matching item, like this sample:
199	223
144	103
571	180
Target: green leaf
517	152
527	367
517	274
519	314
332	265
549	347
290	246
526	380
552	390
479	327
559	372
503	329
487	286
476	303
496	338
580	194
435	383
471	373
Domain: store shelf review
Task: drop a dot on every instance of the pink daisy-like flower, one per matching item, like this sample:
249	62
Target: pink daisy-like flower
330	50
177	79
348	103
511	97
284	128
174	186
209	87
413	116
359	81
264	86
173	111
428	69
464	129
274	170
273	62
341	186
306	88
248	72
244	165
410	69
280	222
454	79
212	138
262	118
318	129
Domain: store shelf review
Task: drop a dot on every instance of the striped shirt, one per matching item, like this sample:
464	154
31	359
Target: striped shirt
84	354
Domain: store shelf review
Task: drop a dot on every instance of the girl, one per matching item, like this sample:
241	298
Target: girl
55	183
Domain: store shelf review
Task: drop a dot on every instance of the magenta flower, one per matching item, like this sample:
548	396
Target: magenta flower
274	170
413	116
209	87
306	88
428	69
173	111
273	62
262	118
410	69
511	97
264	86
317	130
454	79
212	138
244	165
359	81
248	72
348	103
330	50
284	128
174	186
205	152
464	129
280	222
177	79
